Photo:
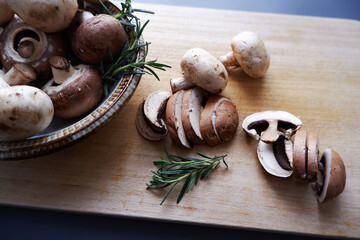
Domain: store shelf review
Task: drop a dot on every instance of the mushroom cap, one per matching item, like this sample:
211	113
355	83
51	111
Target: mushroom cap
25	111
203	69
257	123
191	109
47	45
173	120
154	107
96	36
78	94
6	14
144	128
45	15
276	158
334	176
250	52
300	156
219	120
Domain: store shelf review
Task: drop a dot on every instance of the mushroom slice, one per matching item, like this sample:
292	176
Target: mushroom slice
300	157
173	120
276	158
332	176
154	107
191	109
312	146
74	91
265	125
219	120
144	127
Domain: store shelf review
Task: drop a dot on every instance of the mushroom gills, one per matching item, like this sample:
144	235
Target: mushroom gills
280	148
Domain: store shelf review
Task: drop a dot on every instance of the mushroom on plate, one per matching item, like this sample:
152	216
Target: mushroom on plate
6	14
201	69
249	53
45	15
21	43
74	91
25	111
20	74
266	125
332	176
99	38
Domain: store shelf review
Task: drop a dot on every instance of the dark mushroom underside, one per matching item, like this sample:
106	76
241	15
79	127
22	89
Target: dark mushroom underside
280	153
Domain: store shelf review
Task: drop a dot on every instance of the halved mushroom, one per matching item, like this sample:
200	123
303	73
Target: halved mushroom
144	127
277	158
98	39
154	108
6	14
332	176
265	125
174	122
20	43
25	111
73	90
249	53
192	106
305	158
219	120
47	16
202	69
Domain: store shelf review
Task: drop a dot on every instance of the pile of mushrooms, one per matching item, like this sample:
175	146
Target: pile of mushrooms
194	113
281	157
37	39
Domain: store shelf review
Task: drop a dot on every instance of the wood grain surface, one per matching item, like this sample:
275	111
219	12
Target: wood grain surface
314	74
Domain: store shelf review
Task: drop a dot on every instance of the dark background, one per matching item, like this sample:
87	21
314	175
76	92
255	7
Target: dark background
24	223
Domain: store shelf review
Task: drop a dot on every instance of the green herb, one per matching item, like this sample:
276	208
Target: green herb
176	168
127	63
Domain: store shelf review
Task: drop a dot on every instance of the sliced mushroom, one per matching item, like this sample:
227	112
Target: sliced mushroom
332	176
73	90
201	69
265	125
173	120
20	43
46	16
306	154
249	52
20	74
6	14
145	129
98	39
154	108
218	121
276	158
25	111
192	106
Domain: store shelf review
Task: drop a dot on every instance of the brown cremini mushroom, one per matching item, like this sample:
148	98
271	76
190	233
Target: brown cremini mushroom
332	176
265	125
6	14
20	74
98	37
20	43
74	91
45	15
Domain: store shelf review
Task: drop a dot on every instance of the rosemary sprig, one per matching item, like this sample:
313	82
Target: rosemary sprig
177	168
127	62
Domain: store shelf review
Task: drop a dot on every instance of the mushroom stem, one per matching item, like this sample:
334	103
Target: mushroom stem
270	134
229	60
61	69
3	83
180	83
20	74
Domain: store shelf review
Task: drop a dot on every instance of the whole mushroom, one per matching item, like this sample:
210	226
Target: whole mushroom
21	43
249	53
96	37
74	91
202	69
6	14
45	15
25	111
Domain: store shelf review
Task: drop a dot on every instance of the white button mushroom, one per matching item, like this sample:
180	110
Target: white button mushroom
249	53
202	69
45	15
24	111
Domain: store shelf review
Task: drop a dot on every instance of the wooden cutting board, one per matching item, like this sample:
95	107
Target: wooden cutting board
314	74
